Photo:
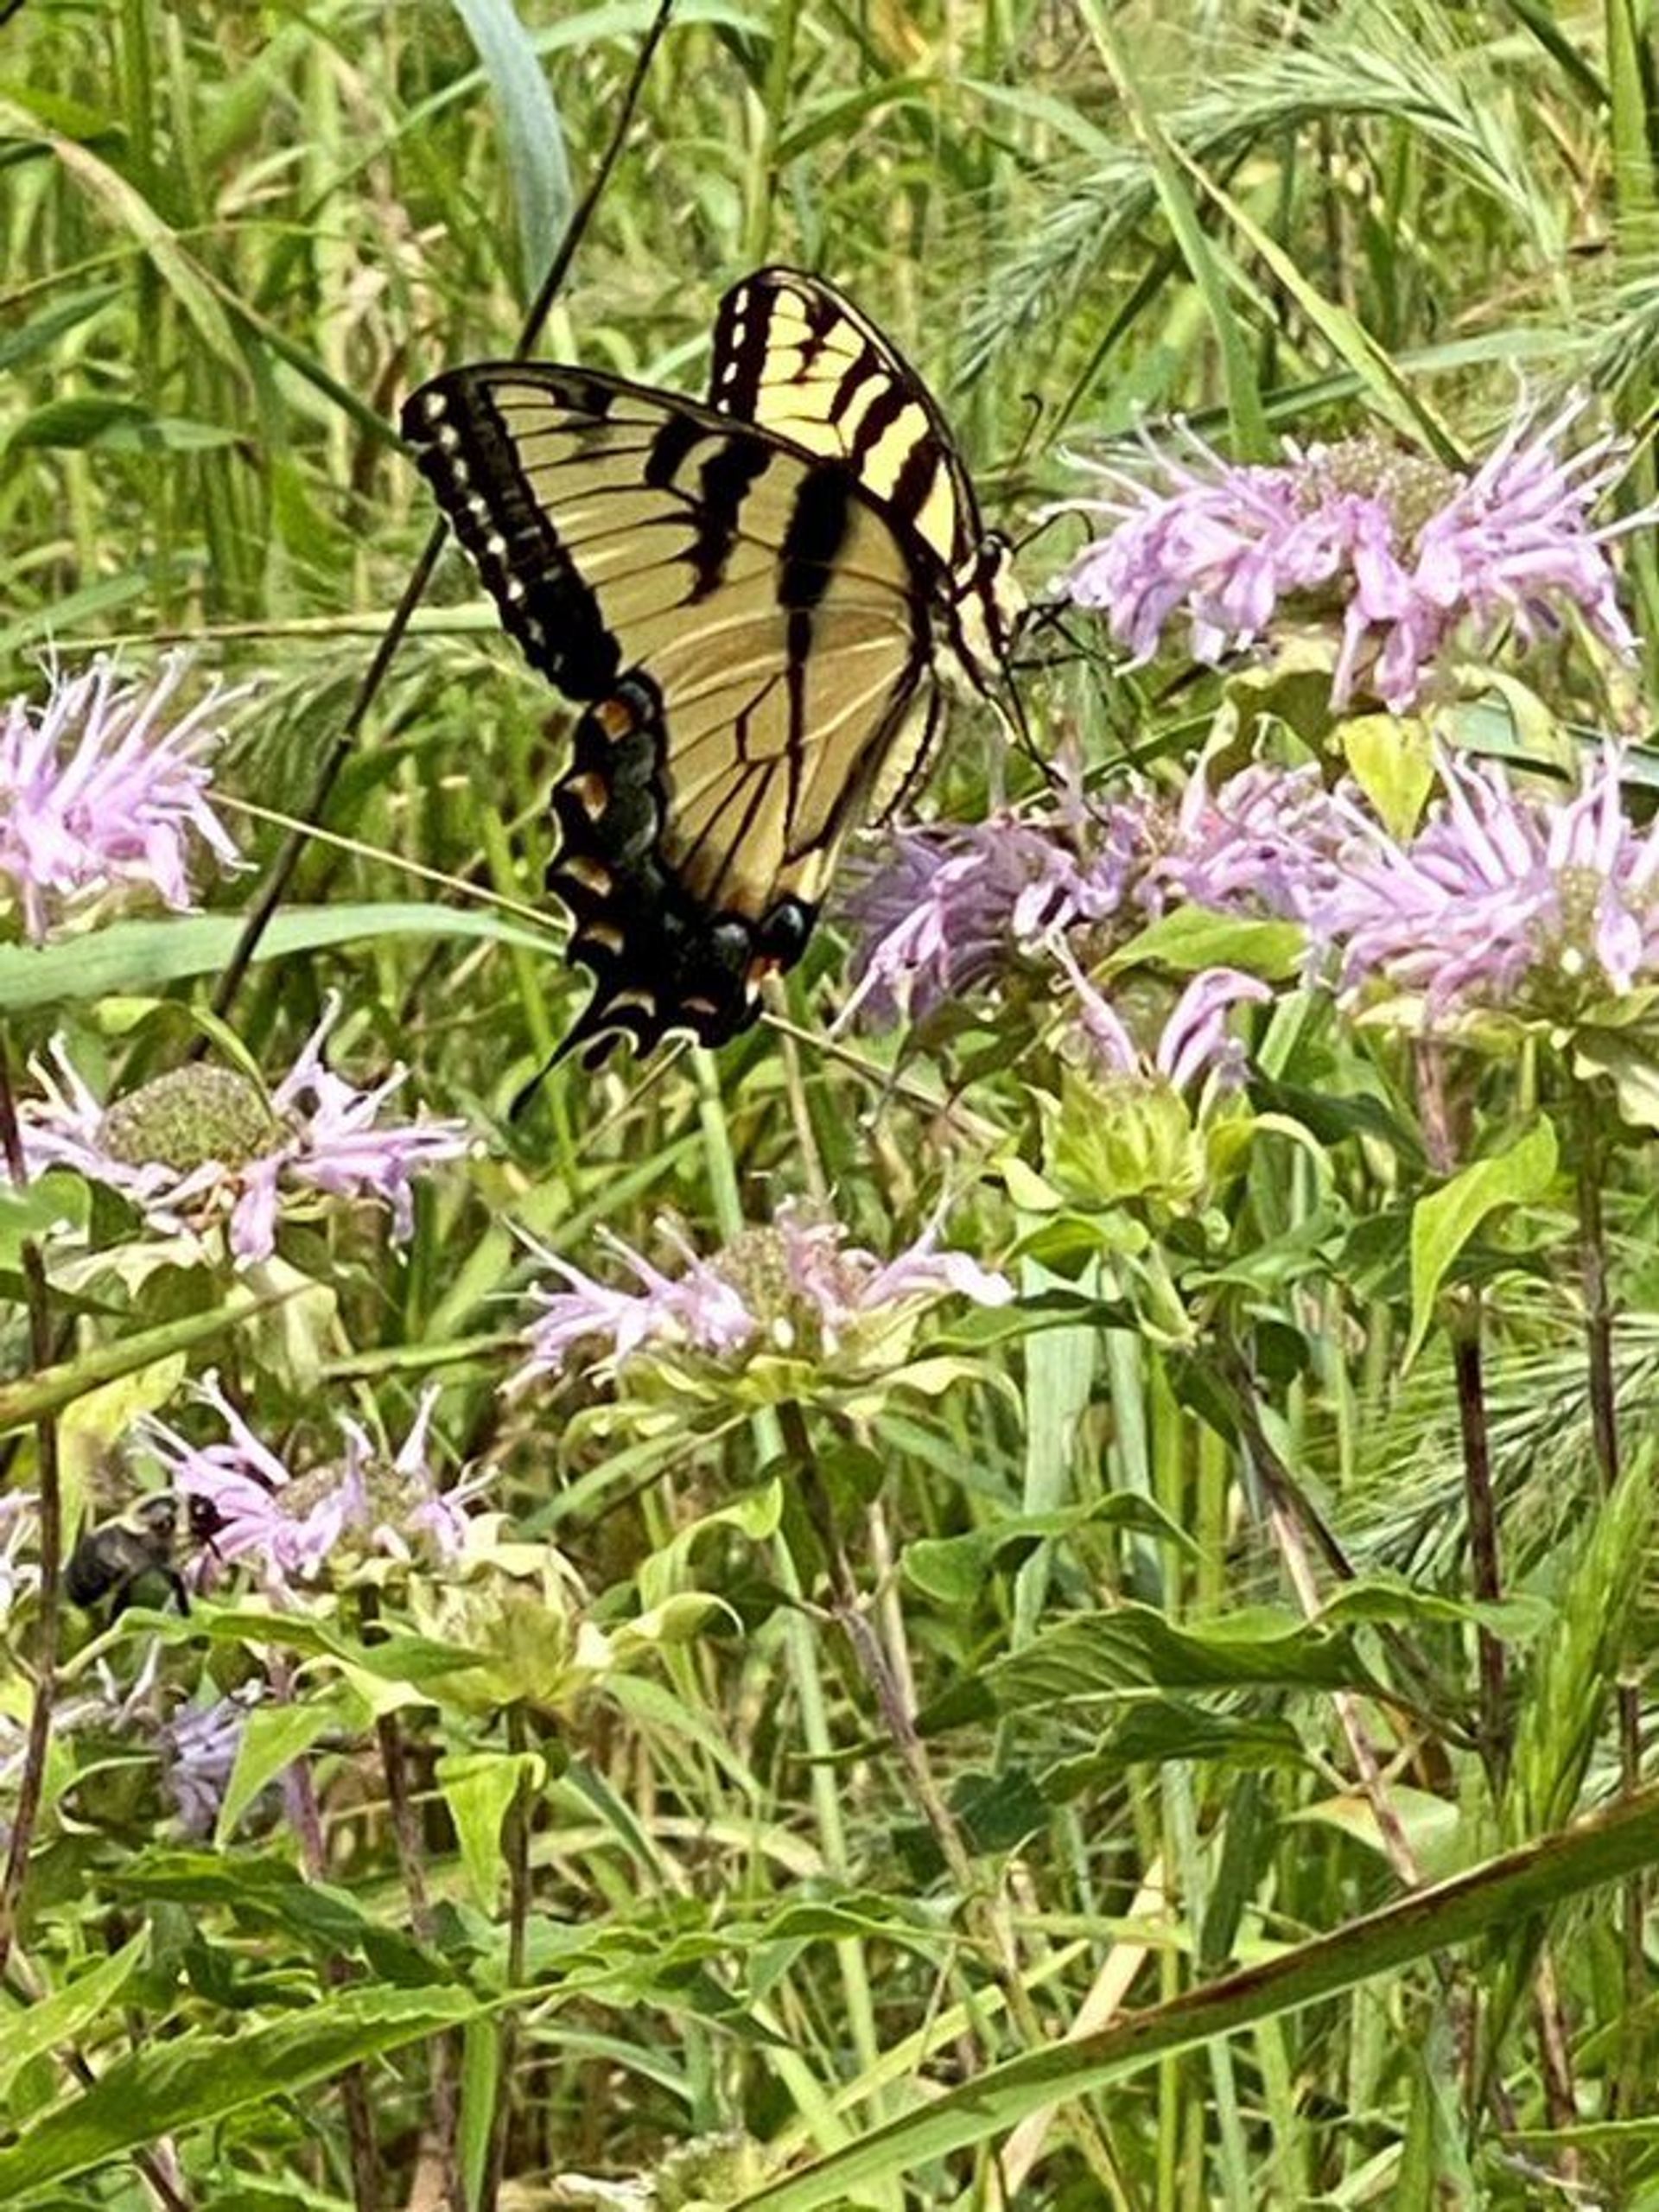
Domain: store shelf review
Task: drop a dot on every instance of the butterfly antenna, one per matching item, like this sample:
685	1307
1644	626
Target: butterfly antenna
274	890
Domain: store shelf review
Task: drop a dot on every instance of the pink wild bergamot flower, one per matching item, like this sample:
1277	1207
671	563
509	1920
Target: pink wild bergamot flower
1523	899
290	1522
98	791
794	1285
1409	551
201	1142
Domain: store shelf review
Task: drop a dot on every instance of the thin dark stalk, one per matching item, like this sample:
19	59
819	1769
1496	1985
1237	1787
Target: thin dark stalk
275	888
445	2059
1443	1136
26	1810
518	1846
1484	1567
1593	1275
301	1791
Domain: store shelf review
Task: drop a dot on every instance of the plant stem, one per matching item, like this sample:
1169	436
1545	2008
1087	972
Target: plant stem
444	2062
1593	1275
49	1516
985	1915
300	1790
518	1855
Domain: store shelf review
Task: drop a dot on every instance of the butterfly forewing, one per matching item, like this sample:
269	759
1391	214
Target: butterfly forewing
793	355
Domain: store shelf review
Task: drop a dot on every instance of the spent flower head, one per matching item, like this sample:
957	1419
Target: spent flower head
795	1285
1519	898
292	1522
1408	552
101	792
200	1143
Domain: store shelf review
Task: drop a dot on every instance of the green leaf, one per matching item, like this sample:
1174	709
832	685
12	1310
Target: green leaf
28	2033
265	1891
273	1737
126	208
479	1787
115	425
40	332
55	1196
1133	1649
140	956
1504	1892
1191	938
537	160
197	2079
1392	761
1154	1729
1443	1223
952	1570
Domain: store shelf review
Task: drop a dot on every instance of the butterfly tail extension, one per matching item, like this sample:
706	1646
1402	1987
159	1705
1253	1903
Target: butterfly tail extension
662	960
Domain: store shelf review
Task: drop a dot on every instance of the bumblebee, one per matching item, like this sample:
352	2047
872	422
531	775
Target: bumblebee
116	1557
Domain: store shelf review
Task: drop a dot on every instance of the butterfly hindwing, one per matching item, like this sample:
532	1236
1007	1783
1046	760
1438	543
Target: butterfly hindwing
750	634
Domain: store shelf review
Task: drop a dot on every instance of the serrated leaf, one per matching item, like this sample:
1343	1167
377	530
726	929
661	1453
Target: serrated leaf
28	2033
1133	1649
195	2079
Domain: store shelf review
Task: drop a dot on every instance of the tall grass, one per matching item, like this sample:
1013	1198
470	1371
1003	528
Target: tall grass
1028	1701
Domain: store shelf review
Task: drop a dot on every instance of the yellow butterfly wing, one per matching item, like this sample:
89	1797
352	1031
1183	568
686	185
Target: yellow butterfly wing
793	355
752	636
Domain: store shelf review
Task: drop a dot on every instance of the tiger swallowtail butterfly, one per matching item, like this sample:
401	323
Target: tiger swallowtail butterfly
759	601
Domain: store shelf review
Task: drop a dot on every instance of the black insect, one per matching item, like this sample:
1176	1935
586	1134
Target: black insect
114	1560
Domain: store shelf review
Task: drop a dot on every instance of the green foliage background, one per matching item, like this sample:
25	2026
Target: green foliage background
696	1883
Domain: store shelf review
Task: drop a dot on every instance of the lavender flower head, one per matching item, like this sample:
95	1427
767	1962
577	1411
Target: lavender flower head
292	1524
794	1286
203	1142
954	906
1514	898
97	792
198	1748
1409	552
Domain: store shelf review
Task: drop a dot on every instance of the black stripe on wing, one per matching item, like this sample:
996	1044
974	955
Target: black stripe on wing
470	457
791	355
